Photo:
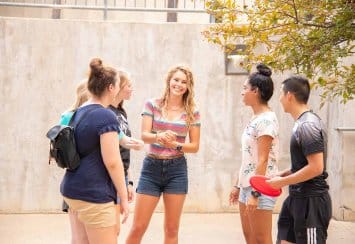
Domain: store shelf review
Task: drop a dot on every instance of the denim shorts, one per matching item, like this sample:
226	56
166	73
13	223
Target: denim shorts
265	202
163	175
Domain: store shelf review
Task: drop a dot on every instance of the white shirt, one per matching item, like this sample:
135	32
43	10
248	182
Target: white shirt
263	124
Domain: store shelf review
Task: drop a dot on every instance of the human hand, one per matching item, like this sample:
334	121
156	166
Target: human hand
166	137
124	210
234	196
135	144
118	225
130	193
276	182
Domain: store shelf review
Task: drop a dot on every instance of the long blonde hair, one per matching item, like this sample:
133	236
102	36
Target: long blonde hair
82	95
188	97
124	80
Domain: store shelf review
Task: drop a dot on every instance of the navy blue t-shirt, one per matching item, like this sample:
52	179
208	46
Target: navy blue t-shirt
309	136
91	181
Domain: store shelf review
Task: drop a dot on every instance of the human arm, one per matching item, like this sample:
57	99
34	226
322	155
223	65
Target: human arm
131	143
264	143
234	195
263	148
308	138
130	191
313	168
194	141
149	137
283	173
113	163
188	147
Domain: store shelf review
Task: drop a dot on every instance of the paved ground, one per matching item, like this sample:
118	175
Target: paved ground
195	228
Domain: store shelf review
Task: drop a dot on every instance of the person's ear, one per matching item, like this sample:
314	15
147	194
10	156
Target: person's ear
110	87
289	96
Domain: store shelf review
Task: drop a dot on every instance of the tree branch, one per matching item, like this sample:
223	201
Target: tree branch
270	28
318	25
295	10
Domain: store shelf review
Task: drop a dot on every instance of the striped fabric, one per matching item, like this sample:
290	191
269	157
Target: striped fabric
311	236
161	124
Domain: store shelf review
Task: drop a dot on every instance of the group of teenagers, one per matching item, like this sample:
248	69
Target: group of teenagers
98	192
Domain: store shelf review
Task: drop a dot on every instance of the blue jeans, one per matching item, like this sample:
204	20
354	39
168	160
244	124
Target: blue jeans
265	202
163	176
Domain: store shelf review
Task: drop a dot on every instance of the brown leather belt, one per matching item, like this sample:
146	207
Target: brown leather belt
164	157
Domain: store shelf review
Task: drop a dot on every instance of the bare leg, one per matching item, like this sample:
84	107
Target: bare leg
78	231
173	204
247	231
145	205
261	225
107	235
285	242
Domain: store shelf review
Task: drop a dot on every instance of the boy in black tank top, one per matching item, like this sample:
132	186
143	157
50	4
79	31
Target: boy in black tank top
306	212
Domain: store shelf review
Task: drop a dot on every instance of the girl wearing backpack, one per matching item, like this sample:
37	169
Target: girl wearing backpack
97	185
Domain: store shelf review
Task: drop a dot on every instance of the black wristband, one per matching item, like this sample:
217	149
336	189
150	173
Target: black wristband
130	183
178	148
255	194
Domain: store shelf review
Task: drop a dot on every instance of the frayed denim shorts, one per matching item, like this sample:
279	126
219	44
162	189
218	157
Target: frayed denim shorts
265	202
163	176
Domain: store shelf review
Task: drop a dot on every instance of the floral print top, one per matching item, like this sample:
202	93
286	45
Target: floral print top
263	124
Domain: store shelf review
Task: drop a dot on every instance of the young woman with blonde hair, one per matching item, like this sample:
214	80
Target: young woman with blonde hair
166	123
126	141
82	95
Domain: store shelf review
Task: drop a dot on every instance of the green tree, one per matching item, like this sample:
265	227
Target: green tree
310	37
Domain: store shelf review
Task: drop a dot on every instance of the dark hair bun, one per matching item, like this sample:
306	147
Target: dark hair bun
264	70
96	66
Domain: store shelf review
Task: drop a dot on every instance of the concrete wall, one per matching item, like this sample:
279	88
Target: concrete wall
341	157
41	61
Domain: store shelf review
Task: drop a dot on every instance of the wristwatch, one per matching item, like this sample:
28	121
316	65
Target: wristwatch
179	148
255	194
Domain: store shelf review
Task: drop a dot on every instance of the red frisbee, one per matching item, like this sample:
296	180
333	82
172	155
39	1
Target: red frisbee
258	182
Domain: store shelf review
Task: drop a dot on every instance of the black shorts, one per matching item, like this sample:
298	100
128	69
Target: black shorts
305	220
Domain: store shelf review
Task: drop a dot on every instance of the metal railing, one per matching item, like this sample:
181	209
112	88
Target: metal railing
345	129
171	7
113	5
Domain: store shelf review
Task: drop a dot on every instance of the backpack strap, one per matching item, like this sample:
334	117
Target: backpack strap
81	118
79	121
